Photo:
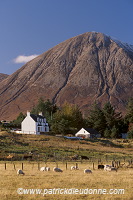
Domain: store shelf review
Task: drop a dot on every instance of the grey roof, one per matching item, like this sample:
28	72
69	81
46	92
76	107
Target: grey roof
91	131
34	117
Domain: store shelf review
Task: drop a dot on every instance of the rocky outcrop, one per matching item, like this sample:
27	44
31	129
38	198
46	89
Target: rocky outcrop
87	68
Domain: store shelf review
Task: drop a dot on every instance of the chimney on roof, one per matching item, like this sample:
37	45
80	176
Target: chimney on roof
40	113
28	113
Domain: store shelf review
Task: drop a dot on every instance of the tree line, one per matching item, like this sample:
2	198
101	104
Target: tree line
68	119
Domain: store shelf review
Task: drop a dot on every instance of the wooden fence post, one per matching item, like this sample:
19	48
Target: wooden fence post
112	163
66	165
93	166
57	165
76	165
22	166
14	166
5	166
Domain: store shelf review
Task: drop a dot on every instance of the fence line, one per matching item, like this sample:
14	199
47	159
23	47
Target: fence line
114	163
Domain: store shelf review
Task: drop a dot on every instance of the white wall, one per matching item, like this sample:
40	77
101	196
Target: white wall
43	128
46	128
82	132
28	126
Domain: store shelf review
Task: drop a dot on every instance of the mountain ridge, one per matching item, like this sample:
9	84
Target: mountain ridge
3	76
83	69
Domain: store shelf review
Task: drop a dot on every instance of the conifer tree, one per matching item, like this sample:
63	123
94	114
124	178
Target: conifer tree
129	111
96	119
113	121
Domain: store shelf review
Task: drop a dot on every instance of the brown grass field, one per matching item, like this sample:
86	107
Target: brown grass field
43	145
35	179
104	149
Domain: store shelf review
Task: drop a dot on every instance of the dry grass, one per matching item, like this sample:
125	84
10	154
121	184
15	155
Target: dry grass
34	179
12	143
10	182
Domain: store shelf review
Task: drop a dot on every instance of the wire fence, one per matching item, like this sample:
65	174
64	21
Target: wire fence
14	165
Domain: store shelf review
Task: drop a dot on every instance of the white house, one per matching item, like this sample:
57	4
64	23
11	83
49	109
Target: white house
88	133
34	124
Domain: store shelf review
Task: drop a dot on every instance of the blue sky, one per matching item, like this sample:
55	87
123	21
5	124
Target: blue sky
31	27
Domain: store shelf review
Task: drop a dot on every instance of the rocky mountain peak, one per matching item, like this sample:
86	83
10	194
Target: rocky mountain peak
83	69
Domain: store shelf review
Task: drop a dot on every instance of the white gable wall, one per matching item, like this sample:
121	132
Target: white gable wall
28	125
82	133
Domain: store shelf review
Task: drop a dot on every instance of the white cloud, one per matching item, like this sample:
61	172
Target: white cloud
24	59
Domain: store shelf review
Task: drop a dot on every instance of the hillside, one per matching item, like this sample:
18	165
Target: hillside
45	147
86	68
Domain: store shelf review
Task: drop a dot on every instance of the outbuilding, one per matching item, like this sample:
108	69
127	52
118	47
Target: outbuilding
88	133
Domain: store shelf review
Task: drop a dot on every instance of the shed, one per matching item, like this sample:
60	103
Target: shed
88	133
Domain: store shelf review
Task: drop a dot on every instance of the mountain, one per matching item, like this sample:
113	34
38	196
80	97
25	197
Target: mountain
3	76
81	70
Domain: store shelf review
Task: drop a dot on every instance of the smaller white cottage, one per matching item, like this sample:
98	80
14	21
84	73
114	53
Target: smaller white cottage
88	133
34	124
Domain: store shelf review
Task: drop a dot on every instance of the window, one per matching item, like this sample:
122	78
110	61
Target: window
39	129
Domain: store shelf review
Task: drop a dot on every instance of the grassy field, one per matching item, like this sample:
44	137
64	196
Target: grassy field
45	147
52	150
34	179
